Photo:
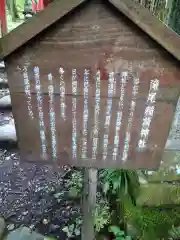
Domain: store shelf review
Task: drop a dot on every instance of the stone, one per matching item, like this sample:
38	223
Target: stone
24	233
2	65
3	81
10	227
28	16
8	132
5	101
45	221
25	213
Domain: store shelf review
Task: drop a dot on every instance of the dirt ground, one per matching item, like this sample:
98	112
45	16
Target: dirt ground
27	195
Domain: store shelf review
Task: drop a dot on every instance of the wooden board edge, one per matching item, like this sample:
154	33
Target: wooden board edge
38	23
144	19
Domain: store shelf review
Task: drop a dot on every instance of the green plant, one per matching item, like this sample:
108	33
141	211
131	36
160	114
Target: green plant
118	185
73	229
49	238
75	184
102	215
119	235
121	183
174	233
151	223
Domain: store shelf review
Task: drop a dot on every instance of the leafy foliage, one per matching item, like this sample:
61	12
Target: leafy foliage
119	235
75	183
73	230
102	215
120	183
159	194
174	233
151	223
175	16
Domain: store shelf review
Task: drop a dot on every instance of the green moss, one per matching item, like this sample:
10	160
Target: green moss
158	194
151	223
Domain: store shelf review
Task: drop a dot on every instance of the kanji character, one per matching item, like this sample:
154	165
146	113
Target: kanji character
154	84
152	97
144	132
149	111
141	143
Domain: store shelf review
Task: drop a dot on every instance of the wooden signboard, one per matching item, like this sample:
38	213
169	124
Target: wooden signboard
93	90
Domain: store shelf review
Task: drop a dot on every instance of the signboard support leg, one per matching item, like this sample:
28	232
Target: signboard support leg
89	203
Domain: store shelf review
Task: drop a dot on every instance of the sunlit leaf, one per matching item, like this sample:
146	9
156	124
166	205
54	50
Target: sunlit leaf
106	187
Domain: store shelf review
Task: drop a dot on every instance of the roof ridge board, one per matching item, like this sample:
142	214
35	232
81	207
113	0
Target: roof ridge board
38	23
147	22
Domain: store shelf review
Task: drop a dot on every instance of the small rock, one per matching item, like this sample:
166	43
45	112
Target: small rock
3	80
8	132
54	227
2	65
45	221
25	213
28	16
10	227
5	101
31	226
24	233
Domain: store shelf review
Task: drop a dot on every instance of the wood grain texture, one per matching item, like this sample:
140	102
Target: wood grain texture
58	9
30	144
38	23
95	37
144	19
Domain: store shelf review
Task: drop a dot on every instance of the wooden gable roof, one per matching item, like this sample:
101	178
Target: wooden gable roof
167	38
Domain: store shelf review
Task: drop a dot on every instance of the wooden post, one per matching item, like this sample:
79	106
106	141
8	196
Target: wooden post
89	203
0	29
3	16
37	7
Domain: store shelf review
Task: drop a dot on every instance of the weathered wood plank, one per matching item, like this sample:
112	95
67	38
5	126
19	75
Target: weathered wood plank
150	25
35	25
